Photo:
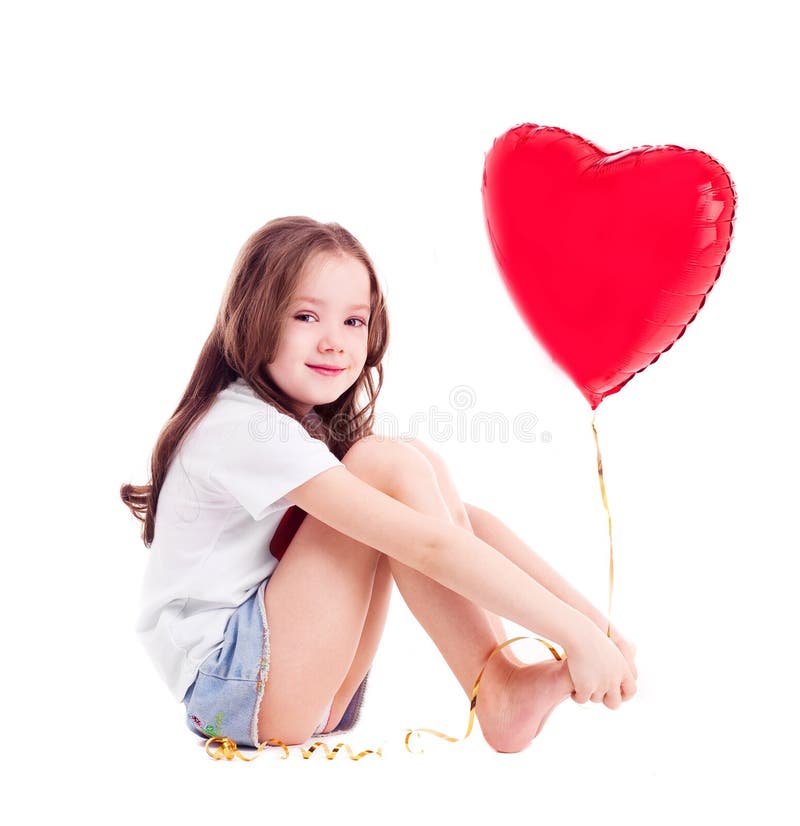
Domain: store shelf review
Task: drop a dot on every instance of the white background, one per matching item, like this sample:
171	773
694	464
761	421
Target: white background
143	142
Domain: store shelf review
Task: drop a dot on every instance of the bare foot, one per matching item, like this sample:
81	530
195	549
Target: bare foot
514	703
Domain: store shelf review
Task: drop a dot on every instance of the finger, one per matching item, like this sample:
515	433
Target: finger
598	696
628	688
613	700
581	696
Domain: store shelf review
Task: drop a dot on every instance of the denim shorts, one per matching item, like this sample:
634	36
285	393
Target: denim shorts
225	698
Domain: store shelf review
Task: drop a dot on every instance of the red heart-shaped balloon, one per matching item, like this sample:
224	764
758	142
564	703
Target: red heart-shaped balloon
607	256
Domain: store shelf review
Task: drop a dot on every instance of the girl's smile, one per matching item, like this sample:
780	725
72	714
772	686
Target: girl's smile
323	346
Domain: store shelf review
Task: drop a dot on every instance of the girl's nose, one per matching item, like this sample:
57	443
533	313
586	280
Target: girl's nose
331	341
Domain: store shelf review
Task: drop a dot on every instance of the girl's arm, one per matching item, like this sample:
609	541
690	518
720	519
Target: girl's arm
494	532
459	560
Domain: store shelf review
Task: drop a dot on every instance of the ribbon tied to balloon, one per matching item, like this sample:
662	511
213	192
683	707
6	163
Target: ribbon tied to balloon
607	256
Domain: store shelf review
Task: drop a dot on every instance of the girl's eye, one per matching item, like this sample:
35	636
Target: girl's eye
361	322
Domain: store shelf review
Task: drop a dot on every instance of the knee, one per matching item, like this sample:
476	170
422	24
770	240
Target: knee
457	508
388	463
436	461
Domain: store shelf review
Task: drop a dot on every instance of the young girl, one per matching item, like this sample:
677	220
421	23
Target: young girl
278	523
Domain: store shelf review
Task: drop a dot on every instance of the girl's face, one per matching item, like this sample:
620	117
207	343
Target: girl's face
327	326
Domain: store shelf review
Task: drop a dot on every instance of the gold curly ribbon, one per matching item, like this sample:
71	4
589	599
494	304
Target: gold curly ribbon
331	753
608	515
228	750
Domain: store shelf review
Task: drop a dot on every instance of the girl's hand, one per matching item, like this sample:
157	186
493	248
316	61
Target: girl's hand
598	669
628	650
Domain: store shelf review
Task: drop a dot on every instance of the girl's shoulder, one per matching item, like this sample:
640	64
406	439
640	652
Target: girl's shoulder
254	453
238	409
236	404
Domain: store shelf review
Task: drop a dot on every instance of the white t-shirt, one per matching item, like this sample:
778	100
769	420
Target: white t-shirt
217	512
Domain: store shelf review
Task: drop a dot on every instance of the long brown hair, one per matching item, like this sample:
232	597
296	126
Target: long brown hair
245	339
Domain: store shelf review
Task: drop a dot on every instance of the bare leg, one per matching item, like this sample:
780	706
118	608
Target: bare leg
317	604
459	514
368	644
514	699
